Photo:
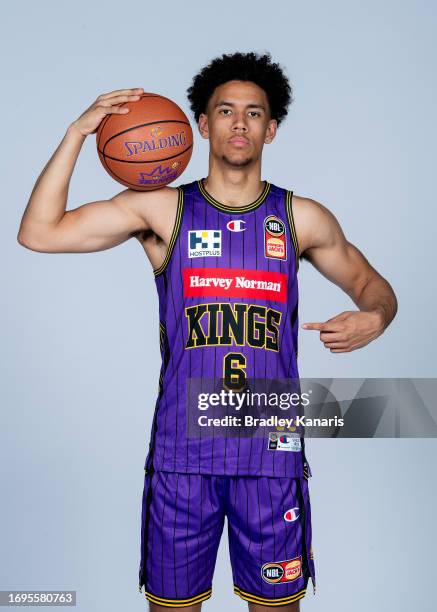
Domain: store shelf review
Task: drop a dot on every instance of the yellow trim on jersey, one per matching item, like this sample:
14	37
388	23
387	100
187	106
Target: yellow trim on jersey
234	209
174	234
178	603
289	209
281	601
161	334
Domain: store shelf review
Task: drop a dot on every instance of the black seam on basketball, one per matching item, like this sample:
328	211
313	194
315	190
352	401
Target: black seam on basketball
134	127
151	161
102	125
123	181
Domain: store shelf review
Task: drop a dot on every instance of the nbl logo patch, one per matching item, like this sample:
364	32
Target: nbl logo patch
282	571
204	243
275	242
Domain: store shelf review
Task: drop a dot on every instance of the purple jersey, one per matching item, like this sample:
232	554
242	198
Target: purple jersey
228	307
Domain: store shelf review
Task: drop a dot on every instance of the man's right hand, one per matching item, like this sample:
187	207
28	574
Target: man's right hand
106	104
48	227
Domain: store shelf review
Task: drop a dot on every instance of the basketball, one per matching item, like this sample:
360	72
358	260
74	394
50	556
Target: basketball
147	148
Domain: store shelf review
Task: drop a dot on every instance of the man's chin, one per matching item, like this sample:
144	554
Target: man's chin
238	162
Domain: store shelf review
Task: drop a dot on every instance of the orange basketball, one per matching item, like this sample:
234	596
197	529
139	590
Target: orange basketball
148	147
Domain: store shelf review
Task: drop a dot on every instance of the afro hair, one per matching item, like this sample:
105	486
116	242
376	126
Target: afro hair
258	69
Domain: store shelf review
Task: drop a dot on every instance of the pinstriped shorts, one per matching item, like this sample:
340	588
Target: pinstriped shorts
269	530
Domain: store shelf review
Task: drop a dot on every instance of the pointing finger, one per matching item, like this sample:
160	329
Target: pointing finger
319	326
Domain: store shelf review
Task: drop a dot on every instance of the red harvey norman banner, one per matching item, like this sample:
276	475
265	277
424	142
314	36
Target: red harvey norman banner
233	282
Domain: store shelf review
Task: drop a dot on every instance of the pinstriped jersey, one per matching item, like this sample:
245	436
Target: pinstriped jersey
228	310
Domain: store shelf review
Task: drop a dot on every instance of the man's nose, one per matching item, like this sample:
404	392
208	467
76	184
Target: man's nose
240	122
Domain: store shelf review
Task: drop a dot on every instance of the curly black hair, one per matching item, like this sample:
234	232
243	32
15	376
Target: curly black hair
258	69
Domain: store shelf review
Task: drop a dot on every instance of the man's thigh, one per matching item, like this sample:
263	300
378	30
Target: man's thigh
181	525
269	525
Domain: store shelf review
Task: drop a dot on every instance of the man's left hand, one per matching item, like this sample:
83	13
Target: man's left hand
349	330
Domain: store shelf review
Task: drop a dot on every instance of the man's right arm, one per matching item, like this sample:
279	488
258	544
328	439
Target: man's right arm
47	227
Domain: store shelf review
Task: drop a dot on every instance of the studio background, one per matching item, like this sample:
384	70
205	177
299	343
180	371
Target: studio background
80	358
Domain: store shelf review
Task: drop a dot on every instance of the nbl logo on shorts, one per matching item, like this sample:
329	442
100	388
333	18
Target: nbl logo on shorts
204	243
282	571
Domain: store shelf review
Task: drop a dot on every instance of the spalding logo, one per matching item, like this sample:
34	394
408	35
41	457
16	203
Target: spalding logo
236	226
291	515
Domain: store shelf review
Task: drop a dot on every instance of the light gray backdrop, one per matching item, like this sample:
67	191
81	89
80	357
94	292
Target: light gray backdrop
80	358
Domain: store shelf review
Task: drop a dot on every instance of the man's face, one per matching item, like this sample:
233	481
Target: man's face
237	123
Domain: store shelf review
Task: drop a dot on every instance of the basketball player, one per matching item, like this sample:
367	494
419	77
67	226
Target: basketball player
202	239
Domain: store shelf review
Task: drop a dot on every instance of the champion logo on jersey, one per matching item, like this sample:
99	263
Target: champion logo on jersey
236	226
282	571
275	242
291	515
204	243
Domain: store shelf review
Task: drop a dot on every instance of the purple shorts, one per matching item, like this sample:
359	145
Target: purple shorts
269	529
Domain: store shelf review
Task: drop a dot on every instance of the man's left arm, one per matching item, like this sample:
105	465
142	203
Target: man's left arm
327	249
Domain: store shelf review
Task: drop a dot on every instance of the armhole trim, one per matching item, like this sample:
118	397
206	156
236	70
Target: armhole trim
174	235
289	209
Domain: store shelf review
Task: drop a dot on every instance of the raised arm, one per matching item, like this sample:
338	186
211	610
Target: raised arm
46	226
324	245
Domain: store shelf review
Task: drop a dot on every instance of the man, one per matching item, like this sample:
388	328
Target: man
225	253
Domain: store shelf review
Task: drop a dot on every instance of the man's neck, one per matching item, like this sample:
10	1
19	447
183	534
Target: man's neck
234	187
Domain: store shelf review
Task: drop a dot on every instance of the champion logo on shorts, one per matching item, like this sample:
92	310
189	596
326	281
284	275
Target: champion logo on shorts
291	515
204	243
282	571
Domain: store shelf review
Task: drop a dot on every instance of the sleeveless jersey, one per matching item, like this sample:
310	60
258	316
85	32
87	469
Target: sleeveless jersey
228	298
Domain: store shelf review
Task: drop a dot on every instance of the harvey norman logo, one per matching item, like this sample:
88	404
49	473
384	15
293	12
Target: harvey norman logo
233	282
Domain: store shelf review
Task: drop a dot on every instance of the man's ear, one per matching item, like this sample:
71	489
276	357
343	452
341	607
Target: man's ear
271	130
203	126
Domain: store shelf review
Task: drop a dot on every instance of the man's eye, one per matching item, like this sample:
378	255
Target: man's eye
254	114
225	111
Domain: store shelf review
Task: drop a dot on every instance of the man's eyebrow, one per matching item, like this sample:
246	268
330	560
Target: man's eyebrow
226	103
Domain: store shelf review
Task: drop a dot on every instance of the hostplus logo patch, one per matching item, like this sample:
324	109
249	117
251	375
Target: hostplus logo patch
204	243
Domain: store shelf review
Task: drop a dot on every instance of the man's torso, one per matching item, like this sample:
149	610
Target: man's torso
228	309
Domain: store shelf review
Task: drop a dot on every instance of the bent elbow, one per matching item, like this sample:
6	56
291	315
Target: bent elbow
30	243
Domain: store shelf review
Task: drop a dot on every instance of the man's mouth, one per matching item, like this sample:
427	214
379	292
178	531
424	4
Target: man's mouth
239	141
